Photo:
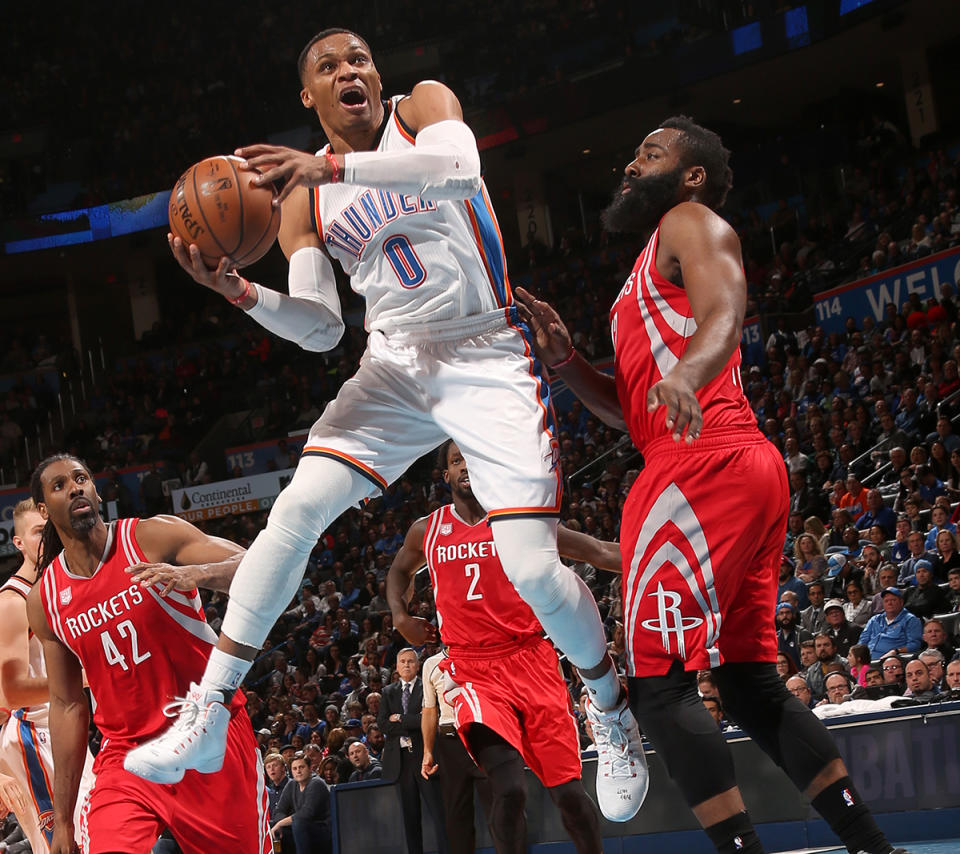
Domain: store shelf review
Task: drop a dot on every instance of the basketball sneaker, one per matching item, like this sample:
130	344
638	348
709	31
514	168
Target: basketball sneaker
622	775
196	740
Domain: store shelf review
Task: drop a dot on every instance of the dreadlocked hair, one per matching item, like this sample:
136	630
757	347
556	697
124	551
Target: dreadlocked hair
50	543
703	147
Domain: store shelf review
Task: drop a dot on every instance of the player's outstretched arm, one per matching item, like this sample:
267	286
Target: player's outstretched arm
17	687
69	724
705	251
400	576
554	347
310	314
582	547
444	162
182	557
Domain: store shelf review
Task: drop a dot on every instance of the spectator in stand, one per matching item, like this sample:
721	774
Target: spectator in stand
786	667
929	486
365	767
918	552
855	499
947	555
808	558
789	581
859	660
886	577
935	662
789	633
952	679
814	525
926	598
844	633
935	637
901	550
917	679
330	771
305	808
953	590
894	631
798	686
277	780
794	530
877	513
945	434
940	519
808	653
857	608
892	667
826	662
811	618
836	688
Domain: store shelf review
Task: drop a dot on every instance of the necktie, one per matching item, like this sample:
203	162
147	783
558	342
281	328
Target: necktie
405	699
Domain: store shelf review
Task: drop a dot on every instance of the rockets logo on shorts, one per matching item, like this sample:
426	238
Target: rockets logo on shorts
670	622
672	537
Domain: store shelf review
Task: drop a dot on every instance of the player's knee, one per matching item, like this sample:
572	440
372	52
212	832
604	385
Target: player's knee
572	801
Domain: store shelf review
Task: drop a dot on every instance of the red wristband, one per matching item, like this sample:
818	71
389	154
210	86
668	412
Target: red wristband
567	361
335	177
244	294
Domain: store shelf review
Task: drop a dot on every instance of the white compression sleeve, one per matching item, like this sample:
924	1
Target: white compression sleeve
310	314
443	164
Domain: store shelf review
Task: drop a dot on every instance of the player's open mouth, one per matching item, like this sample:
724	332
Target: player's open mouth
353	99
81	505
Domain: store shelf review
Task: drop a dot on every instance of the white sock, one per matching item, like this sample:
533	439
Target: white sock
605	690
224	672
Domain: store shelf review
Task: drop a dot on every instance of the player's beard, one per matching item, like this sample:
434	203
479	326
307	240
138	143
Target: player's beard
84	522
639	211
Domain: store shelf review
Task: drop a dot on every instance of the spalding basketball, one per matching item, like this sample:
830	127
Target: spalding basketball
217	206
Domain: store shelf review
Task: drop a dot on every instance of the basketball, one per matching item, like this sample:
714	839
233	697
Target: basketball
217	206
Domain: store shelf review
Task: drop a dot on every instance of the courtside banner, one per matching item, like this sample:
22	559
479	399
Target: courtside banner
869	297
229	497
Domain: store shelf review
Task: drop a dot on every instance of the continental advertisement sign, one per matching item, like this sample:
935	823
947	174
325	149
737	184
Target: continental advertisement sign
230	497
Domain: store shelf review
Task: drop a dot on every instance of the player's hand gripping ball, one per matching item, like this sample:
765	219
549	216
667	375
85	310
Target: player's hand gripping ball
218	207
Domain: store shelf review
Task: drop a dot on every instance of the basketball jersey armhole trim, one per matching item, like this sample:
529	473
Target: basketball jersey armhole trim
408	132
315	221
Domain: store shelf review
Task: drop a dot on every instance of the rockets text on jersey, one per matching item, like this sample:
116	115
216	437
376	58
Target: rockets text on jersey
651	323
139	649
415	261
477	606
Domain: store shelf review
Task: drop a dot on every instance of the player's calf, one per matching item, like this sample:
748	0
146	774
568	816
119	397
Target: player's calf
579	816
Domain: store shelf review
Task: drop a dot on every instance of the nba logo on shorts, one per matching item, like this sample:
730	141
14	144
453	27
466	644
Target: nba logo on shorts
66	596
446	529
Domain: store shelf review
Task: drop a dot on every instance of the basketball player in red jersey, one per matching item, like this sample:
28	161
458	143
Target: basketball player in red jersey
703	525
120	601
510	700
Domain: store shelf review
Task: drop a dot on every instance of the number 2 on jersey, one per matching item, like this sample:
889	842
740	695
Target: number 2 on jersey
112	652
473	573
404	261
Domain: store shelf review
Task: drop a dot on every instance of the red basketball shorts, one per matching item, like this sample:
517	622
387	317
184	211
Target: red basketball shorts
226	811
701	537
520	695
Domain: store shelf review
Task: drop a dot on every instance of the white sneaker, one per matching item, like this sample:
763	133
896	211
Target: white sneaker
622	775
197	740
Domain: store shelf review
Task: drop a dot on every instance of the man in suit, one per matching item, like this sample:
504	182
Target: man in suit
401	704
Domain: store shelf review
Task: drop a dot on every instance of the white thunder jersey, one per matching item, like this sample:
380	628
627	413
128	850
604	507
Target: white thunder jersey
415	262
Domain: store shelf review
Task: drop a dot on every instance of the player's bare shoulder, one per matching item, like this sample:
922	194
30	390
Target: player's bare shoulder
429	101
692	229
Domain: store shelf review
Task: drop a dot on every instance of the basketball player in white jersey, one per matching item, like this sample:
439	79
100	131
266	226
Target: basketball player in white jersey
25	752
396	199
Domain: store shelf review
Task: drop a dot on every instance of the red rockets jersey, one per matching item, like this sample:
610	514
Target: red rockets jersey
139	649
477	606
651	324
